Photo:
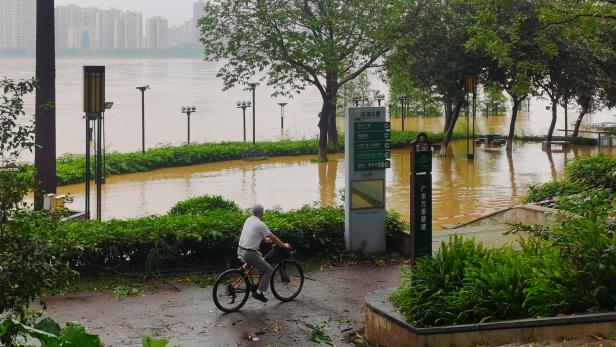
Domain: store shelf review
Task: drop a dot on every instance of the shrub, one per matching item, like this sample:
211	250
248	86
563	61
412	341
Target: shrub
595	172
545	191
203	205
31	261
466	283
580	175
567	268
207	234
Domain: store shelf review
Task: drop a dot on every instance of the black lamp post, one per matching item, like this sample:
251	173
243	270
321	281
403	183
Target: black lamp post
402	99
282	105
188	110
143	89
253	86
356	100
244	105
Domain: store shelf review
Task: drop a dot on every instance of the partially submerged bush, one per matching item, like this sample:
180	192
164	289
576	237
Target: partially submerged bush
595	172
580	175
203	205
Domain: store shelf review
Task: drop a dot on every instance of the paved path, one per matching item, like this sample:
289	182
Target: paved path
332	298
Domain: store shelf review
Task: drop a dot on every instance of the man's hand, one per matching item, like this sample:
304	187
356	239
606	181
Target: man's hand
287	246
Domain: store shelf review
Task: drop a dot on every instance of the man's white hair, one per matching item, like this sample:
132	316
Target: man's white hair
257	210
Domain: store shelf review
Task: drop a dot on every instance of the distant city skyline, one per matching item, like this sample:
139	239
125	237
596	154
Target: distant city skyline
176	11
82	25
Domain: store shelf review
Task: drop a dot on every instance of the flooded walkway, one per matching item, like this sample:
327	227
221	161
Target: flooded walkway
461	188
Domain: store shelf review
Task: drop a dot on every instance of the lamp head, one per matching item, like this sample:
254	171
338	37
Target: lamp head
239	104
183	109
108	105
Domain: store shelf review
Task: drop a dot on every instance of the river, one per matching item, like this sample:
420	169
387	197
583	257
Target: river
180	82
462	188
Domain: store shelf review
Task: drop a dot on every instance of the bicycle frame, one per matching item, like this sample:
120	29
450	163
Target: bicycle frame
247	273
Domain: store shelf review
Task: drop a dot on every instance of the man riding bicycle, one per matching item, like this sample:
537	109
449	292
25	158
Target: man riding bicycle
253	232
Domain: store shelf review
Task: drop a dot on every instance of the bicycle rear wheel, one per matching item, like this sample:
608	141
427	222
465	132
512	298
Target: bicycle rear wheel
231	290
287	280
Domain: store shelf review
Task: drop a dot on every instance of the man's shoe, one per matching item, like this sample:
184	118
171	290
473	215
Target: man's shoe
259	297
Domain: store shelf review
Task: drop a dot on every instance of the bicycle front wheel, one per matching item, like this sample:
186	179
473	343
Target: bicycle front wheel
231	290
287	280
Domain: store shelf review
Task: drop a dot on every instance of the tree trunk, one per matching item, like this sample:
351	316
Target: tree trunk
585	103
514	114
45	119
448	114
323	125
327	123
450	127
554	118
578	122
332	129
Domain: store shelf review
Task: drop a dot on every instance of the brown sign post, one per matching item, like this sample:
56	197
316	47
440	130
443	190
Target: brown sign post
421	197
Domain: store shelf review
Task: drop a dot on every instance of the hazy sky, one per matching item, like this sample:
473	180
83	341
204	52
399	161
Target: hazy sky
177	11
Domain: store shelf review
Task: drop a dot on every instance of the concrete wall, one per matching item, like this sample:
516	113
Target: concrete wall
526	215
387	327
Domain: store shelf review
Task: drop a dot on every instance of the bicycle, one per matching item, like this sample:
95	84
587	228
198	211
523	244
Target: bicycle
233	286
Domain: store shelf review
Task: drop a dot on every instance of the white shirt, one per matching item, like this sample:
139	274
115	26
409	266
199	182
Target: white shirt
253	232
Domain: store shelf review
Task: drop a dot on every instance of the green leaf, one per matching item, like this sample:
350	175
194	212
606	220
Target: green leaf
148	341
75	335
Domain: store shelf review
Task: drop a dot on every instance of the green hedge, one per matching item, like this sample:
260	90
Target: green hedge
205	235
71	168
597	172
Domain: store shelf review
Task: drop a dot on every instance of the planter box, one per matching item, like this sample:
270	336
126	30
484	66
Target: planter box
385	326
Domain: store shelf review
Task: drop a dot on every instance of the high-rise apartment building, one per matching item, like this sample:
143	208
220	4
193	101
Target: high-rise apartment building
157	33
18	24
104	29
181	34
198	13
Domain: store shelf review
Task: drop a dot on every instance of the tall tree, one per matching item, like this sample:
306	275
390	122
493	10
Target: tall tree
295	43
45	119
506	31
435	58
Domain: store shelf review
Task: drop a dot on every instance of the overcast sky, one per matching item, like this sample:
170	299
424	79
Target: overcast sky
176	11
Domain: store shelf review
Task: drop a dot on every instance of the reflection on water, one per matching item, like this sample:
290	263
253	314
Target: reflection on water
461	187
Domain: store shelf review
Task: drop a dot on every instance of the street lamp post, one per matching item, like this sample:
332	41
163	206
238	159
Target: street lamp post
143	89
282	105
378	96
244	105
253	86
402	99
356	100
188	110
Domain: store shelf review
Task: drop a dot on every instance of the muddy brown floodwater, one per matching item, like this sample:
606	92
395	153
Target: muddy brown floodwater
462	188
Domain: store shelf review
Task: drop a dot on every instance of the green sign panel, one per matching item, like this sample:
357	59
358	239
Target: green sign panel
372	126
372	165
372	135
373	146
421	214
423	161
370	156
